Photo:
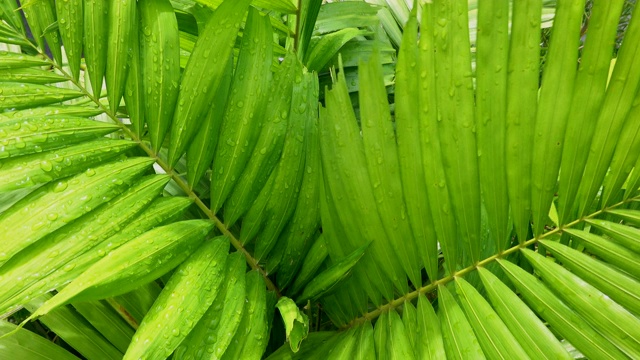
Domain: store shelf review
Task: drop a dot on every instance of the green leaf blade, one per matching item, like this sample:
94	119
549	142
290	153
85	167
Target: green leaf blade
457	335
524	324
491	104
606	316
56	204
201	271
215	330
160	66
556	91
563	319
36	169
200	81
70	23
240	127
122	19
96	25
108	277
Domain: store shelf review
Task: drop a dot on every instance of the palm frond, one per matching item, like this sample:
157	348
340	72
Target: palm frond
466	212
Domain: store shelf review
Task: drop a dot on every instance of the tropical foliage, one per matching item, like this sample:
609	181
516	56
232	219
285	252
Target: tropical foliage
248	179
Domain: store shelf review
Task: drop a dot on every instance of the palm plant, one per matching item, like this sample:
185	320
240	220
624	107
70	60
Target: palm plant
489	212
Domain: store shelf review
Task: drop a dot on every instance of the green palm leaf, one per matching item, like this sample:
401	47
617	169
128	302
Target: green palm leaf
465	212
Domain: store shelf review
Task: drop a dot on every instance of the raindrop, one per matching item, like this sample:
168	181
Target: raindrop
46	165
69	267
60	186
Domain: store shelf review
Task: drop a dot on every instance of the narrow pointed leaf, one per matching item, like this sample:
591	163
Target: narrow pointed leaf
627	236
241	124
122	21
250	340
200	80
70	23
96	27
10	35
132	264
367	276
326	47
58	203
631	216
553	111
343	349
491	105
624	158
399	343
41	16
202	150
522	98
295	322
384	165
312	262
458	337
380	336
160	65
621	93
215	330
268	148
618	286
436	184
456	120
308	13
291	167
410	159
107	322
410	322
329	278
606	316
58	250
30	75
305	220
495	338
201	271
163	210
590	86
524	324
561	318
365	347
55	111
633	183
24	344
429	343
133	88
609	251
76	331
39	168
20	96
42	133
12	60
9	13
348	186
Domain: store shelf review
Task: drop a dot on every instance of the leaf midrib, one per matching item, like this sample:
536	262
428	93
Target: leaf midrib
251	261
398	302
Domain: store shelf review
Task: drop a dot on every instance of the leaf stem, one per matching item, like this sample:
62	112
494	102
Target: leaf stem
253	263
296	36
433	286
